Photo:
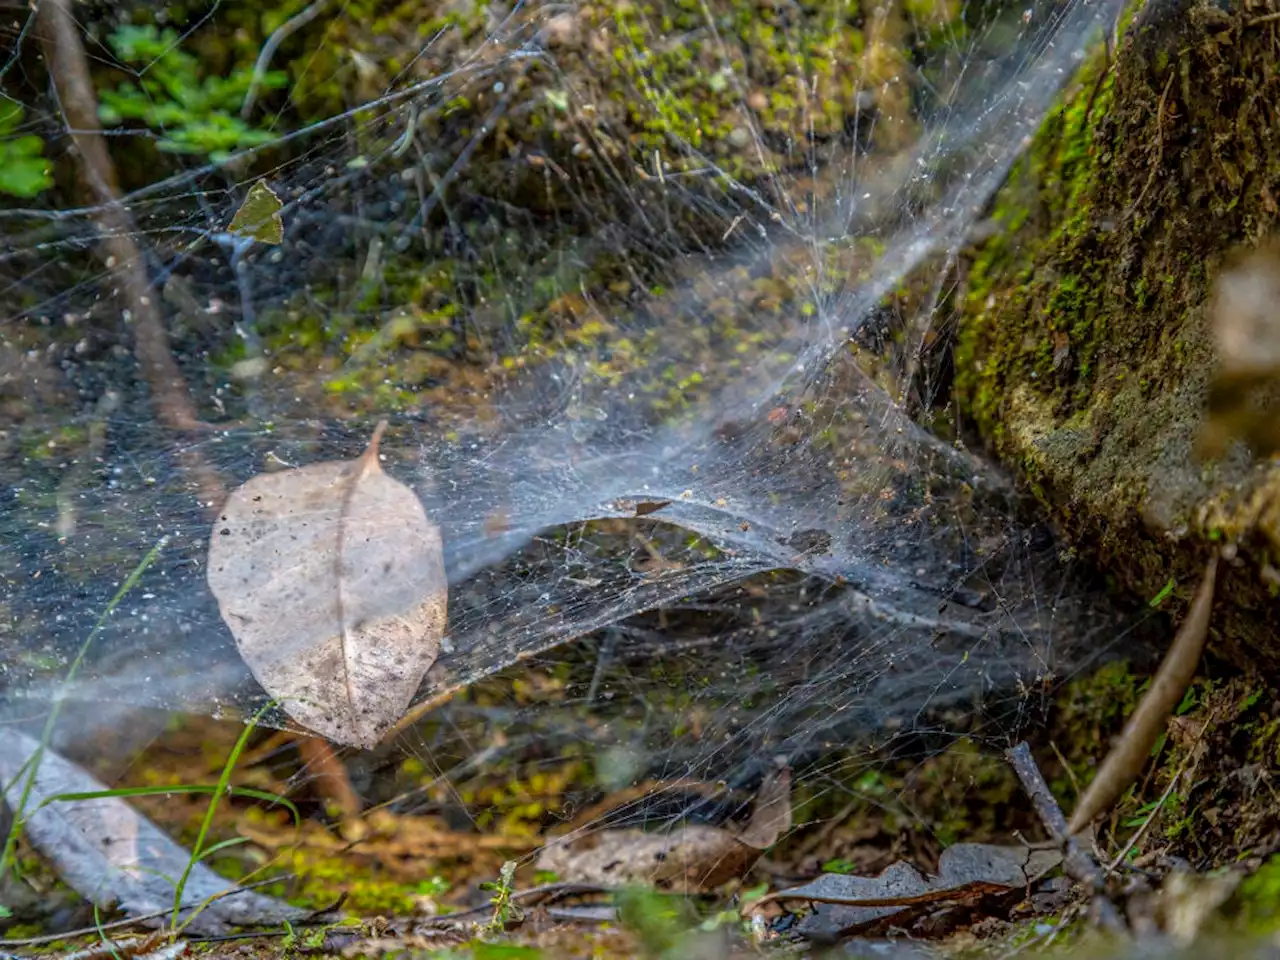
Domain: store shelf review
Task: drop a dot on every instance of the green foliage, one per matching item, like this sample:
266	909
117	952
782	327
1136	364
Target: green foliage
659	922
193	113
24	171
839	865
1163	595
504	909
482	950
1259	897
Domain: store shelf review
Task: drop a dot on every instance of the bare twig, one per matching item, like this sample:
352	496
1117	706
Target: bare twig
1077	864
69	68
279	36
1129	755
322	762
1155	165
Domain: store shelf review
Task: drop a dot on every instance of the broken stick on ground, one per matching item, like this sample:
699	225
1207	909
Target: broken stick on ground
1077	863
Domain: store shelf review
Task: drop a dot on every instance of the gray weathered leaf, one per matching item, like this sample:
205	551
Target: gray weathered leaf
332	580
964	870
110	854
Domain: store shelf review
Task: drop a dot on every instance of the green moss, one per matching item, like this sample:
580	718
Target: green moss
1259	898
1089	711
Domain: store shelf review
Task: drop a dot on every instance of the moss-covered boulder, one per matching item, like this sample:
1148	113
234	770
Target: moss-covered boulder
1084	356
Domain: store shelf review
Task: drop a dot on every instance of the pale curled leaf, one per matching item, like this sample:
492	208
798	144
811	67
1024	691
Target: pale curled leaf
110	854
331	579
690	859
1246	333
1246	324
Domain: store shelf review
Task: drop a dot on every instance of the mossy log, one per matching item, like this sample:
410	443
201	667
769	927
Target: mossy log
1084	356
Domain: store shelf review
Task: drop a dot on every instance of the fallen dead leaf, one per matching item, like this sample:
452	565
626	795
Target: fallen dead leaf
967	872
331	579
110	854
690	859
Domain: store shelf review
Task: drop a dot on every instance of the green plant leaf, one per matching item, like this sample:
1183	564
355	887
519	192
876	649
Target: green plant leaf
1163	595
10	116
24	172
839	865
23	177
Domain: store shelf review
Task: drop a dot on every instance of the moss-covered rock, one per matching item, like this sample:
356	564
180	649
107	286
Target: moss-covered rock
1084	352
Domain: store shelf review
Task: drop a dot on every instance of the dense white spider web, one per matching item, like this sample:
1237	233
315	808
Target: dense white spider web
731	341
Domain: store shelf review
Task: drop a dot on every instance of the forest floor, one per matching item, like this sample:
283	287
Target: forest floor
1188	854
400	851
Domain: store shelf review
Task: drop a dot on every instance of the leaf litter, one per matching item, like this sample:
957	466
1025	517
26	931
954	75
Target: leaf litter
331	579
692	858
113	856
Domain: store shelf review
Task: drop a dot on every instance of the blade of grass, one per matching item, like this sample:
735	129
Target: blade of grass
223	787
102	934
7	858
249	793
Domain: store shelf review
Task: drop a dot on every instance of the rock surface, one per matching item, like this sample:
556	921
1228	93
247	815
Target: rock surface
1084	355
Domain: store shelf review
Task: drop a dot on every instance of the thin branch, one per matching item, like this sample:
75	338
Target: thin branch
1155	165
321	760
1125	761
69	68
278	36
1077	864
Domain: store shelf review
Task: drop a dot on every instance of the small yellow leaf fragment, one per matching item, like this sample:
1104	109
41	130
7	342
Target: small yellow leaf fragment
259	216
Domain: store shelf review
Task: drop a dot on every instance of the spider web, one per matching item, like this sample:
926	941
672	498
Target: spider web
679	410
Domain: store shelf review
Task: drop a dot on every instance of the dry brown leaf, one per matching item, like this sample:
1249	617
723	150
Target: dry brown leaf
693	858
331	578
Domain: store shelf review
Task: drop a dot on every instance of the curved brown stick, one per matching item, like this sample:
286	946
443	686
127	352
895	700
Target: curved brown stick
1125	761
69	70
69	67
